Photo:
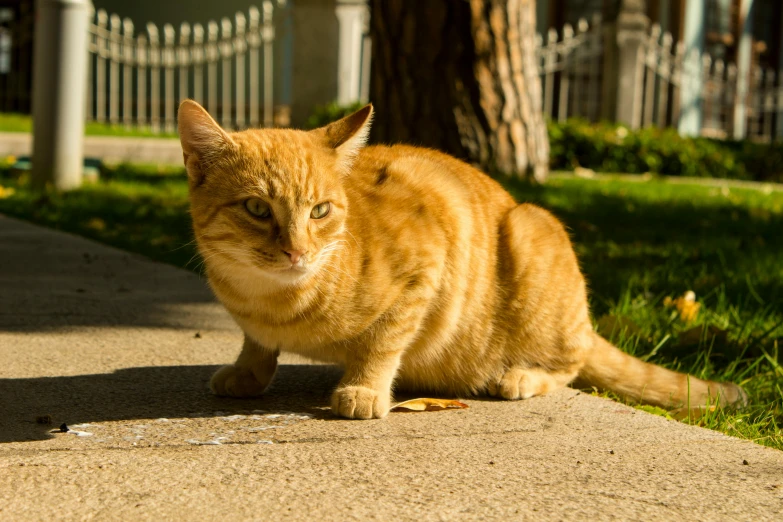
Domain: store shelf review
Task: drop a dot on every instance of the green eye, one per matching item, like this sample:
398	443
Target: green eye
321	210
258	208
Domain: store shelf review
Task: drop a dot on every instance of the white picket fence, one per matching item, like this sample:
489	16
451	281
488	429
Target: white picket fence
137	80
571	69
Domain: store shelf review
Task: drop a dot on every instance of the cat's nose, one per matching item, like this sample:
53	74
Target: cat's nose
294	255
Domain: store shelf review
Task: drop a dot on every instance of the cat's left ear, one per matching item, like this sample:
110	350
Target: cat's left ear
348	135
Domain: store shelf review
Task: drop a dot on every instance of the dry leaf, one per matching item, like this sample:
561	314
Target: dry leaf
6	192
686	305
429	405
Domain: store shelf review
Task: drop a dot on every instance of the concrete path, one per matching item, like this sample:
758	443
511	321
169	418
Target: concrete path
113	149
121	349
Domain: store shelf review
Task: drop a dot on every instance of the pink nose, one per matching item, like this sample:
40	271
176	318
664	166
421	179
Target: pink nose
294	255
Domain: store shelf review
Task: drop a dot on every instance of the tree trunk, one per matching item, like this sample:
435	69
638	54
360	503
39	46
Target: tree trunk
460	77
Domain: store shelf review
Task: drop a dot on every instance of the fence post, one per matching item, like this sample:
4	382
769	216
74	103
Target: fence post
268	38
169	60
349	17
60	51
198	57
691	86
240	48
254	42
744	57
212	56
91	49
127	72
184	60
115	36
100	65
565	73
154	62
364	85
226	51
632	23
141	80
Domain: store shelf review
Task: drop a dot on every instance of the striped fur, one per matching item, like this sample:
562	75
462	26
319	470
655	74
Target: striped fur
425	275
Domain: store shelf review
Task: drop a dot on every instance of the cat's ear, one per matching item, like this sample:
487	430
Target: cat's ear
348	135
203	140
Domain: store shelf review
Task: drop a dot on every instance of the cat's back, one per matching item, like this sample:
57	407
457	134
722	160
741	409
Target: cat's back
406	177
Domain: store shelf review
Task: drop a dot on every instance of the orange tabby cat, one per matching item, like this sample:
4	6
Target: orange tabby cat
407	266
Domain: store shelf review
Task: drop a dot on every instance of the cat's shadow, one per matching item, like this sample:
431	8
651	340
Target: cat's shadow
151	393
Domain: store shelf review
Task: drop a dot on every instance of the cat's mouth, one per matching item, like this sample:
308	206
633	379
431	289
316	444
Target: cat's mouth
284	271
289	271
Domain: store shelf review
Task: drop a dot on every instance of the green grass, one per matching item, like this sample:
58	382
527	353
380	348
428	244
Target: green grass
10	122
638	242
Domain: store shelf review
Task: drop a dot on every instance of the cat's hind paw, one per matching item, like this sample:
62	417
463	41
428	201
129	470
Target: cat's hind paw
358	402
233	381
522	383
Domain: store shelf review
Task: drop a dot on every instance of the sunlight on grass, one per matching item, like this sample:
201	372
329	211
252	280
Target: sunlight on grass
10	122
638	243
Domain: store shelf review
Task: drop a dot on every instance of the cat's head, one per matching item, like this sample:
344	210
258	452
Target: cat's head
269	202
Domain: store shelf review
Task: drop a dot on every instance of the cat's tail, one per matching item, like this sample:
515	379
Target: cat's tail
609	368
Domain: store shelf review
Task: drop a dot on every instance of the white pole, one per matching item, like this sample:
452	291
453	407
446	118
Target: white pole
269	39
60	56
744	57
349	53
691	110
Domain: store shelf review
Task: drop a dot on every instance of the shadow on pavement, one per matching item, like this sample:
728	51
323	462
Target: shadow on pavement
151	393
52	281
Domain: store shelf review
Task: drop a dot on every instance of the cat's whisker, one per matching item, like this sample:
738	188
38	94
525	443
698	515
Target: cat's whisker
189	243
338	270
211	252
330	249
354	239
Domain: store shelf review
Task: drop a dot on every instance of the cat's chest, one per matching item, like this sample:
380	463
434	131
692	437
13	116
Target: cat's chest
304	325
311	339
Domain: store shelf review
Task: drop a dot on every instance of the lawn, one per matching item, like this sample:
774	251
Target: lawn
638	243
10	122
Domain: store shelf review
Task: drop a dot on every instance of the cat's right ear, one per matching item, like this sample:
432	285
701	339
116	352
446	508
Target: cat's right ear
203	140
348	135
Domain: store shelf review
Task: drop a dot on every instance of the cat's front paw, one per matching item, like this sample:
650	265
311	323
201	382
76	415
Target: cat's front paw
358	402
234	381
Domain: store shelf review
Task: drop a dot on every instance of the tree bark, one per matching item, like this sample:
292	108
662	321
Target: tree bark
461	77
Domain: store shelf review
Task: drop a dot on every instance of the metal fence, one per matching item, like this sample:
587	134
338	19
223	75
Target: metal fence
137	80
572	68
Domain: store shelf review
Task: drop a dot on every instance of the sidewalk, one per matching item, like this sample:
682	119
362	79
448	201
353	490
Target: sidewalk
113	149
121	349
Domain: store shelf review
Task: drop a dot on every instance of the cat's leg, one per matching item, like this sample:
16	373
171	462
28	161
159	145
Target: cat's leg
250	375
523	383
371	363
545	314
365	390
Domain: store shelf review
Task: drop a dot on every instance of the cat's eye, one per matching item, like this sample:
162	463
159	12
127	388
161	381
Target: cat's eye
321	210
258	208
